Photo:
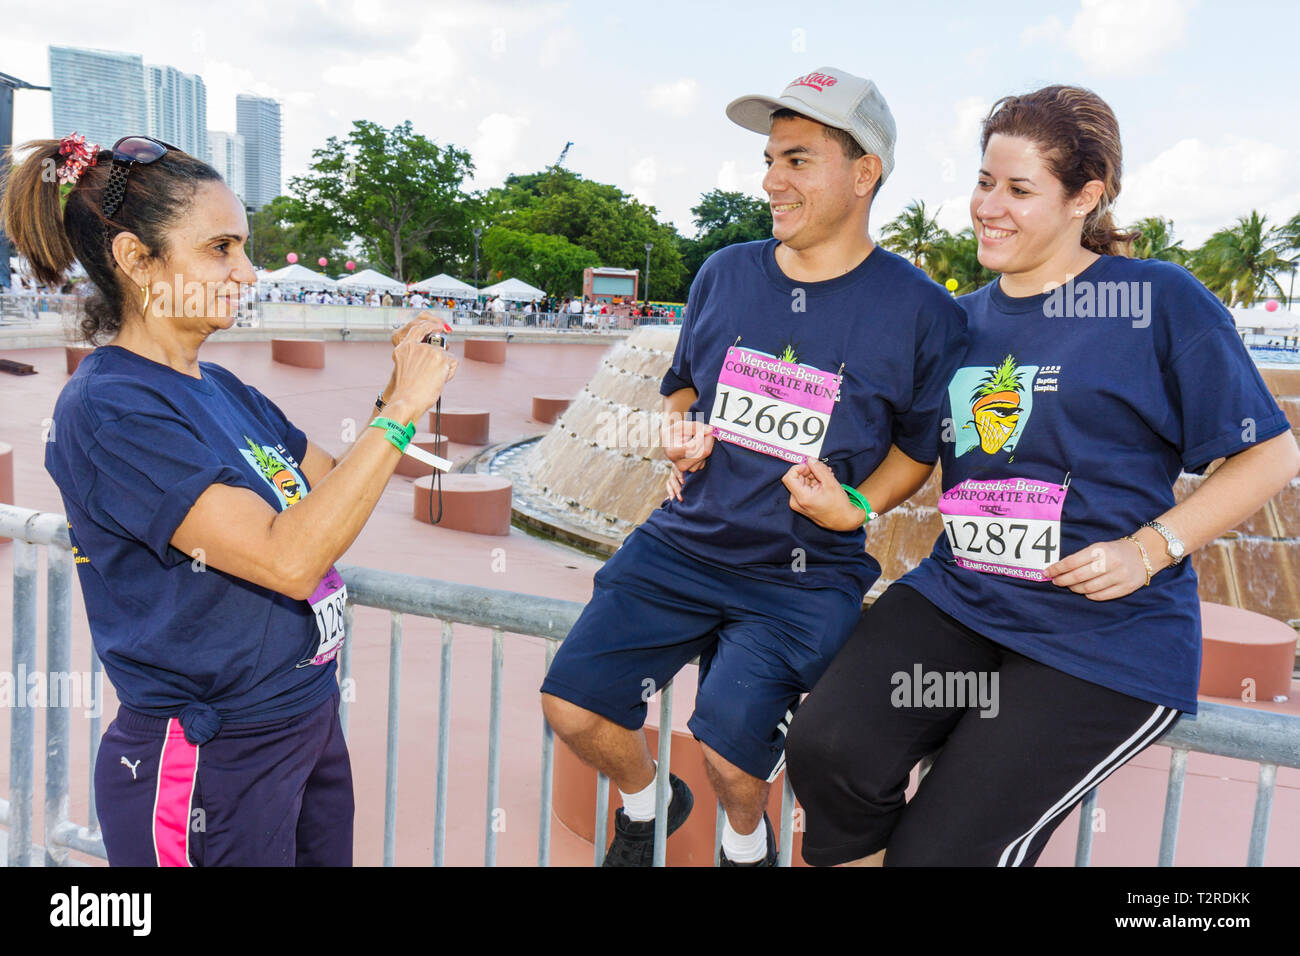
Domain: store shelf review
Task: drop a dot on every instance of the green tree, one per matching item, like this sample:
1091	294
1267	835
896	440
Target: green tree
1242	263
551	263
596	216
913	233
1156	240
276	232
398	192
721	219
957	257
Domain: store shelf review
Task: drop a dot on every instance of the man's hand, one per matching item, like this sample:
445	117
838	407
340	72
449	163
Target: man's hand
687	444
816	494
1103	571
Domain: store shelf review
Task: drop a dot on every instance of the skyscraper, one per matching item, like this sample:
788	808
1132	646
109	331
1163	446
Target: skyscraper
226	154
177	108
97	93
258	121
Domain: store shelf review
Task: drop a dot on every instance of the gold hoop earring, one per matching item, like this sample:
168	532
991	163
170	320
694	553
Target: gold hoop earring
144	304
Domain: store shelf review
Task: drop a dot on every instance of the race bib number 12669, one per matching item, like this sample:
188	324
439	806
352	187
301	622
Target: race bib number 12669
773	407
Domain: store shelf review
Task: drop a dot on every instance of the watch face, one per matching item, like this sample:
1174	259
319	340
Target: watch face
1176	548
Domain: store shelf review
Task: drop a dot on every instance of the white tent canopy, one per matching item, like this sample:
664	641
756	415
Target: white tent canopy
515	290
443	284
300	275
370	279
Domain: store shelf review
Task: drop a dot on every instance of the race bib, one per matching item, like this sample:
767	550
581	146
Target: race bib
327	603
1008	526
773	407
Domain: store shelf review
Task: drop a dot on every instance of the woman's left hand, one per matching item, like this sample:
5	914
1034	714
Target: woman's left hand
1102	571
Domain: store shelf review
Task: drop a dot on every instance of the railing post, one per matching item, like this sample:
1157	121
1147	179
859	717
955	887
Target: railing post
786	853
1173	805
1263	810
394	717
97	682
1083	847
548	778
600	833
22	722
58	681
494	749
663	787
444	746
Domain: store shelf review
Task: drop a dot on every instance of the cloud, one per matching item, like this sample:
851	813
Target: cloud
675	99
1203	186
496	148
956	150
1116	36
732	178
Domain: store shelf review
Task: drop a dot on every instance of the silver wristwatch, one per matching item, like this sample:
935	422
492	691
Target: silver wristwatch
1172	544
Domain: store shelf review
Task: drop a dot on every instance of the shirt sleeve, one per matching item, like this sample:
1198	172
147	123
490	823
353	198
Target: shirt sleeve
939	350
678	375
1218	398
149	469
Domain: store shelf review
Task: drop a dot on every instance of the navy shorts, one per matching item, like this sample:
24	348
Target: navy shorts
275	793
761	646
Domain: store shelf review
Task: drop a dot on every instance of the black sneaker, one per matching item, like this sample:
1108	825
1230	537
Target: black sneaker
769	860
634	841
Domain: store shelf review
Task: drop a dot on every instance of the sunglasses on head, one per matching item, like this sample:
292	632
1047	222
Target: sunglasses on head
127	152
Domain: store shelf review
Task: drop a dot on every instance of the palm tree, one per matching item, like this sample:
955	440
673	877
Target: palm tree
957	257
1242	263
1289	233
1156	240
912	233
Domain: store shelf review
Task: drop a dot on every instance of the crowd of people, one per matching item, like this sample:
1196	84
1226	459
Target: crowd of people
587	312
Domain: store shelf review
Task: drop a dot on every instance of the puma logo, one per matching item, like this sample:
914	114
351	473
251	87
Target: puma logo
127	763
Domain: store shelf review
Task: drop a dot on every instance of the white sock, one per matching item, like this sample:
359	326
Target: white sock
640	806
743	848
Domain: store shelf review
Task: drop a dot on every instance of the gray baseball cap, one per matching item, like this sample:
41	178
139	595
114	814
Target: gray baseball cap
833	98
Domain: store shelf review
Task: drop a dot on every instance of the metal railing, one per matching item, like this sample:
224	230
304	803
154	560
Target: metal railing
1270	739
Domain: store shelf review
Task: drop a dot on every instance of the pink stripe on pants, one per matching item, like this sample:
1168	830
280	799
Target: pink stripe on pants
177	770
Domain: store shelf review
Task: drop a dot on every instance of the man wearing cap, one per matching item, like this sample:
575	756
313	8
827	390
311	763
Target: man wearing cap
819	362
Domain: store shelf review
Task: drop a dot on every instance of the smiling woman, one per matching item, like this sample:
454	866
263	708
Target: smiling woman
207	525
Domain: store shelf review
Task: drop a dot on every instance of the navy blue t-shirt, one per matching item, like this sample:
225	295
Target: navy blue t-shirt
897	335
1120	379
133	446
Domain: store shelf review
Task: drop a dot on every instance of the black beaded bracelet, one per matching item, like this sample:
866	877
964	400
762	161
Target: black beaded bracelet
380	404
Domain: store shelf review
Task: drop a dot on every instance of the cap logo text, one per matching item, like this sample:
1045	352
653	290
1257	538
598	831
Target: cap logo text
818	81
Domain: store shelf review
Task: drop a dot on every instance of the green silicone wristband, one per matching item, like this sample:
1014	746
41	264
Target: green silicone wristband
856	497
399	435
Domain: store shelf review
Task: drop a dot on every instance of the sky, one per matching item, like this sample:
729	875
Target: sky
1204	90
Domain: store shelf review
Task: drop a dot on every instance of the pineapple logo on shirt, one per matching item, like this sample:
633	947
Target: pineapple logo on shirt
999	405
271	465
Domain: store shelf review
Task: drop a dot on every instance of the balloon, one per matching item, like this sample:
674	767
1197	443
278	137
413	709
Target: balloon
1270	305
350	265
292	257
322	262
951	285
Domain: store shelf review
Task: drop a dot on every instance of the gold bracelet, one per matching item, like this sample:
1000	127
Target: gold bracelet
1146	562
